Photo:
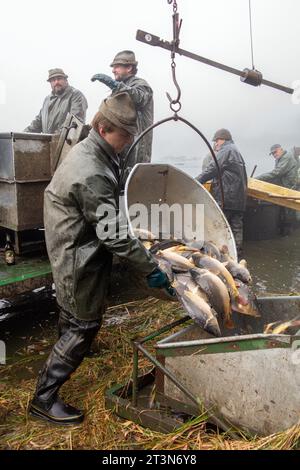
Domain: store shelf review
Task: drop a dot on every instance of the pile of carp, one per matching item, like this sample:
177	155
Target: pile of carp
208	282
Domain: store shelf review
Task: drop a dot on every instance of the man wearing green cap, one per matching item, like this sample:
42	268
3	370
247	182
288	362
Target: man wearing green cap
63	99
284	174
124	68
84	229
234	182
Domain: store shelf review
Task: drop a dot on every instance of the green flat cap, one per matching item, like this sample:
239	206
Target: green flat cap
119	109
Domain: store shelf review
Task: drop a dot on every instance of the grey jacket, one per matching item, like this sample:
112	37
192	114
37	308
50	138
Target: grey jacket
55	109
142	96
234	177
285	172
80	258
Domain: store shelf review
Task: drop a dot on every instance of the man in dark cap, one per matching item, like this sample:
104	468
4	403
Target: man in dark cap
284	174
124	68
84	229
285	171
234	180
64	99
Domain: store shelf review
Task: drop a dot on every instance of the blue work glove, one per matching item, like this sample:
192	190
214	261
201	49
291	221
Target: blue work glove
160	280
108	81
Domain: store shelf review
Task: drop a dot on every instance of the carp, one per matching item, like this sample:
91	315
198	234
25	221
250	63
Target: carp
216	267
178	262
195	303
237	270
216	292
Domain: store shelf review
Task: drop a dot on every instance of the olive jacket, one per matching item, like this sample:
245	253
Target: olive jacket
80	207
142	95
55	109
285	172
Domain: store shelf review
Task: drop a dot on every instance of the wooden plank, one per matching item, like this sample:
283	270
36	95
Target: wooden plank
273	193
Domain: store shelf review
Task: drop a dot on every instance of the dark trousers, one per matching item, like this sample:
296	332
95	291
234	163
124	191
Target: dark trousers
235	220
75	339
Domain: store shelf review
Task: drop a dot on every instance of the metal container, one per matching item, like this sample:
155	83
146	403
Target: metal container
24	175
251	381
154	185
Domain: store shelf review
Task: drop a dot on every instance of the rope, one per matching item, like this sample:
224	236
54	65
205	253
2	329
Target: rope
251	34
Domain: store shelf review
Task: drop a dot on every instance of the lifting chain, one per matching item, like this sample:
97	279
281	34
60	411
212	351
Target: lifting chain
174	5
175	104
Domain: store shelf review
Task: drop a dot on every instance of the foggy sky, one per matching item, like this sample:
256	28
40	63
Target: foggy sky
83	38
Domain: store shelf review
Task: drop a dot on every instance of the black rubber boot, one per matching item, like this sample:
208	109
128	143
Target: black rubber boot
57	413
75	339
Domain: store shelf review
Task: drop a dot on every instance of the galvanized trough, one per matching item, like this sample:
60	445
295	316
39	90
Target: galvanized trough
245	380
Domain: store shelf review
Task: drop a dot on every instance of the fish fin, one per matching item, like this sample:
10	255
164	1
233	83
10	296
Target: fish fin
243	263
245	310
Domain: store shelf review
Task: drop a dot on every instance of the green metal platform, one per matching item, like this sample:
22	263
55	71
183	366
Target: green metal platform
29	272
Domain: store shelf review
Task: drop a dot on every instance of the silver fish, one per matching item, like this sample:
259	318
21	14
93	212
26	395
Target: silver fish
165	266
164	245
195	302
237	270
184	282
216	267
216	292
177	262
199	310
210	249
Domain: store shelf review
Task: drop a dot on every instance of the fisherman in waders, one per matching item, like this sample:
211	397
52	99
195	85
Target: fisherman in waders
84	229
234	180
63	99
284	174
124	68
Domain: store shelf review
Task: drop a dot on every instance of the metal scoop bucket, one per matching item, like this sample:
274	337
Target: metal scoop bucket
196	214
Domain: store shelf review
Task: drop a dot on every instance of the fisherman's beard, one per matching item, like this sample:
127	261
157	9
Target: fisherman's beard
121	77
59	90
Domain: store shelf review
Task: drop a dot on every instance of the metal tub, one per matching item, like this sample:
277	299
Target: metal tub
24	175
156	184
251	381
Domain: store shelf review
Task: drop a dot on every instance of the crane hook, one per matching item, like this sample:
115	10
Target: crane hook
175	105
